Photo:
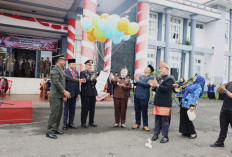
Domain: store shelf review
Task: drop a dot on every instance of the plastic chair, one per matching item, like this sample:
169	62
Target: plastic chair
9	85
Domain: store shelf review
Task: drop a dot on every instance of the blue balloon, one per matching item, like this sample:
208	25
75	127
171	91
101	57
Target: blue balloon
86	23
117	40
108	34
102	24
126	37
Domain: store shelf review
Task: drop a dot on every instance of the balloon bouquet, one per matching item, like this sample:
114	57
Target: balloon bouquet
108	26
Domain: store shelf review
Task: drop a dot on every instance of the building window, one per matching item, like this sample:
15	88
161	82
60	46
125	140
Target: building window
176	30
153	25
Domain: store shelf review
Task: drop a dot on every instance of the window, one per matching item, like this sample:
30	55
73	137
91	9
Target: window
198	25
153	25
176	29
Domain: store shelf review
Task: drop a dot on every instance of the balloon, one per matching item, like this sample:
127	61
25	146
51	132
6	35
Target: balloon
102	40
95	21
102	24
113	19
98	33
126	37
116	40
108	34
90	36
90	30
117	33
86	23
123	24
133	28
104	16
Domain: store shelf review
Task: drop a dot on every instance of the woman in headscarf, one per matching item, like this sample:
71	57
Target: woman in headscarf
189	101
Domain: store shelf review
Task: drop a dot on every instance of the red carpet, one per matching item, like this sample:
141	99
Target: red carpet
20	112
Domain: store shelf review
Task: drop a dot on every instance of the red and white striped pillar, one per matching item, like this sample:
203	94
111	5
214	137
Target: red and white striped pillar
87	47
71	36
142	37
107	56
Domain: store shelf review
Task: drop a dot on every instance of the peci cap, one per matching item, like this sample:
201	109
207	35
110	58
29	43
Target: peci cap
151	67
71	61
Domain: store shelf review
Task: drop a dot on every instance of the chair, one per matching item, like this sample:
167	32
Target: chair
9	85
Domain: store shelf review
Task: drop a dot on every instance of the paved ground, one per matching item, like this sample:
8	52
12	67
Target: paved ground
28	140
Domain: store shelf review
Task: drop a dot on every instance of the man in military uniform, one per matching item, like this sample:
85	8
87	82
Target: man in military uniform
57	96
27	68
88	95
41	67
47	67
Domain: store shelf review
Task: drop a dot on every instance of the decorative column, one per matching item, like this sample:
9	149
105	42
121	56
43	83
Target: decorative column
107	56
183	54
192	41
71	35
87	47
167	33
142	37
159	38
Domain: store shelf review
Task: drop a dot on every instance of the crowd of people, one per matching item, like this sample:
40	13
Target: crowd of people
65	88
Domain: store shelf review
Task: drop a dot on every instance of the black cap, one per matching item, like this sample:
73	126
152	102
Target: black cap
71	61
89	61
151	67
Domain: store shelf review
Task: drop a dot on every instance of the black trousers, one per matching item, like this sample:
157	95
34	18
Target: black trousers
87	106
69	111
141	105
162	122
225	120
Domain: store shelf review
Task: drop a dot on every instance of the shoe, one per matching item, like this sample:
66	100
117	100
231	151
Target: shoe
93	125
136	126
59	132
192	136
217	144
72	126
123	126
64	128
84	126
164	140
186	135
155	137
116	125
146	128
53	136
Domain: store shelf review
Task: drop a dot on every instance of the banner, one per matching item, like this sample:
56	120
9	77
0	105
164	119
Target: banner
27	43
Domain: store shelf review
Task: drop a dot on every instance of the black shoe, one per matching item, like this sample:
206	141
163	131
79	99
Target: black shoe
93	125
59	132
64	128
186	135
217	144
192	137
53	136
72	126
84	126
155	137
164	140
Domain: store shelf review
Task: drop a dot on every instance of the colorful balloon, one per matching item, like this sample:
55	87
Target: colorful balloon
86	23
123	24
102	24
133	28
117	40
98	33
108	34
104	16
90	36
126	37
102	40
95	21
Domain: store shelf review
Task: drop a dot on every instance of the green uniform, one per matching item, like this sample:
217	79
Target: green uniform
47	68
58	82
41	67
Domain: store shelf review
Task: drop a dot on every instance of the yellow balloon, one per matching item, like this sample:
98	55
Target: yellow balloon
90	36
90	30
98	33
133	28
104	16
102	40
94	21
123	24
